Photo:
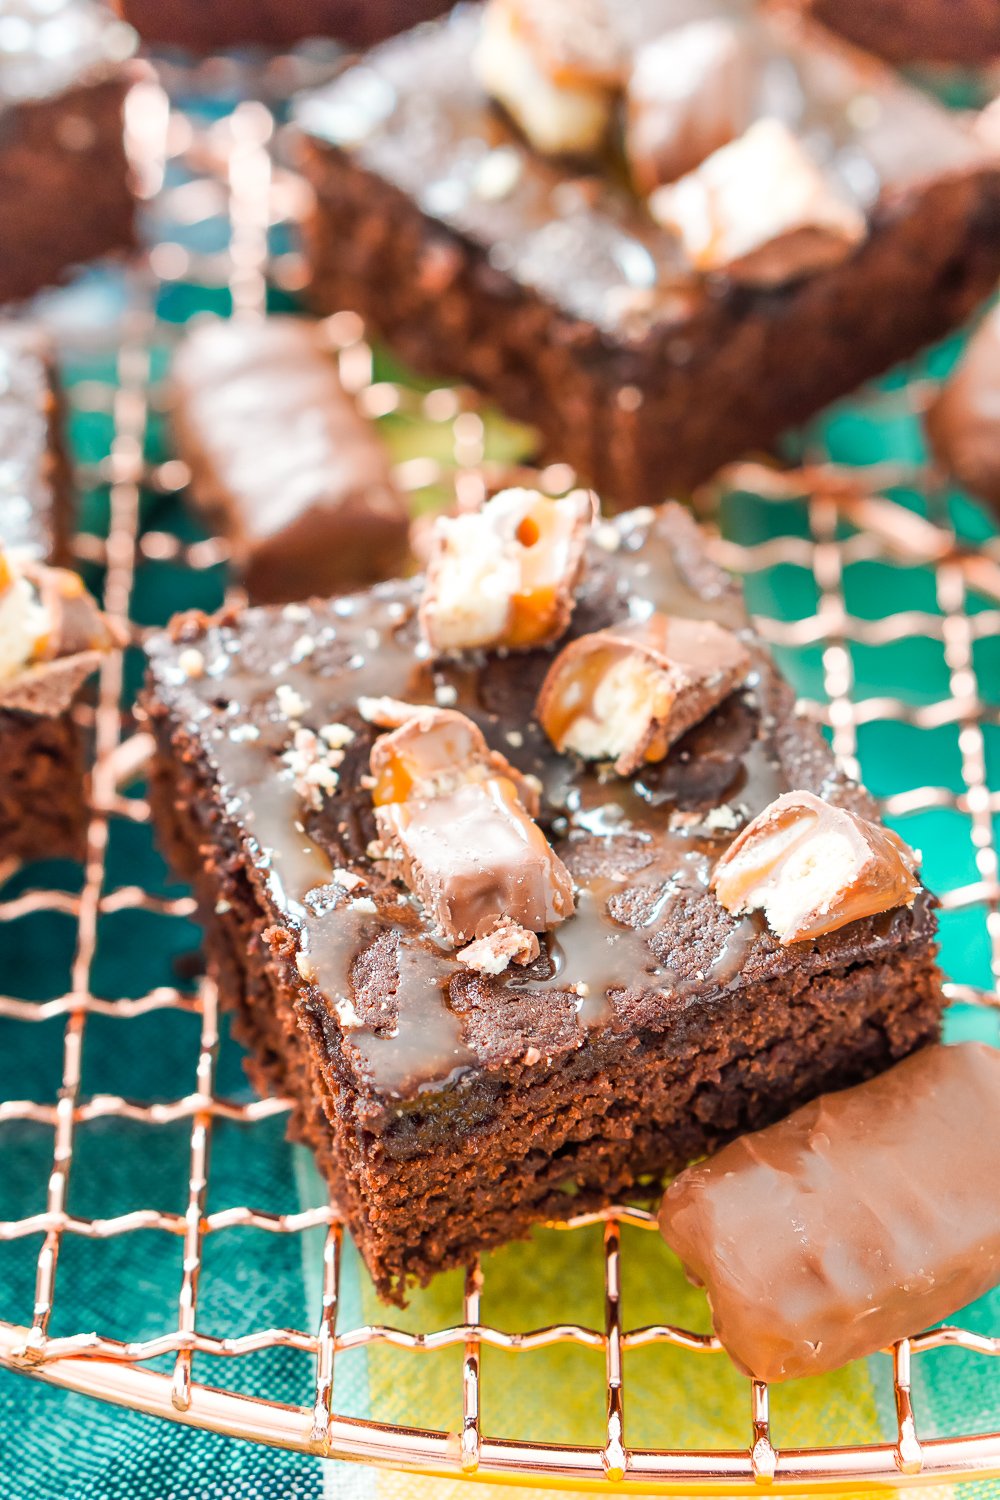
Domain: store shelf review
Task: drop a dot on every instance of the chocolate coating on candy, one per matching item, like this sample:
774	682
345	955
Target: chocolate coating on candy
282	461
505	575
860	1219
812	867
474	857
435	751
963	423
627	694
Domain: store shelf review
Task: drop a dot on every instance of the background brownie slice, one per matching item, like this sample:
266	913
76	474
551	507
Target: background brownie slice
551	287
948	31
212	27
450	1110
43	807
34	477
65	192
282	462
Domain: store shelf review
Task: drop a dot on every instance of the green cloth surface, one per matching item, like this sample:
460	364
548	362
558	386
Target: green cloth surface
54	1444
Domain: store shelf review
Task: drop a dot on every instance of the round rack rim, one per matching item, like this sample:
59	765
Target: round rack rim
421	1451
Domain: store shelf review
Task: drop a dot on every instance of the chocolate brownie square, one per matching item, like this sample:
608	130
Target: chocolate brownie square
65	187
35	498
778	219
453	1098
909	31
201	27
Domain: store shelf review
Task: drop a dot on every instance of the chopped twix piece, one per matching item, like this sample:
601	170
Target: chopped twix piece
46	615
760	210
555	66
626	694
689	93
434	752
812	867
505	575
455	816
963	421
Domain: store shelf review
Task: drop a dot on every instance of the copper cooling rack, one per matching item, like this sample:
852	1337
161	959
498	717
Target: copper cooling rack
196	169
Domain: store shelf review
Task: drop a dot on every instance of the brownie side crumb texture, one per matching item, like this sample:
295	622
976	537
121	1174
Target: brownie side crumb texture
523	287
448	1126
64	177
201	27
43	812
907	31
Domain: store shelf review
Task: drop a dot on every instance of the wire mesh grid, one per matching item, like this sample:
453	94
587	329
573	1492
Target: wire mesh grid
197	169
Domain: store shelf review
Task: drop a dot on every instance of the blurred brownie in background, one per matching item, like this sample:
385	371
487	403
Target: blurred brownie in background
200	26
661	241
904	31
65	193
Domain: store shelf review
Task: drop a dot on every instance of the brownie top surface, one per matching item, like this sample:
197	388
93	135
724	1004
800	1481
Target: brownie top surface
648	941
413	113
26	497
48	46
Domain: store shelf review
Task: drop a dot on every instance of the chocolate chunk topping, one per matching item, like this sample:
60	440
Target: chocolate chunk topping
760	210
863	1217
690	92
505	575
812	867
474	857
434	752
628	693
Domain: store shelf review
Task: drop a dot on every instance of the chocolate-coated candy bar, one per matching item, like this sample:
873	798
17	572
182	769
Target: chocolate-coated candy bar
860	1219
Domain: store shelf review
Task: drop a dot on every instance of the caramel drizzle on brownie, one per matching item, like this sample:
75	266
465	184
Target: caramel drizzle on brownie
631	858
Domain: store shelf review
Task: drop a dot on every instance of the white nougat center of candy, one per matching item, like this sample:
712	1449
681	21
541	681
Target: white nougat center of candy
24	620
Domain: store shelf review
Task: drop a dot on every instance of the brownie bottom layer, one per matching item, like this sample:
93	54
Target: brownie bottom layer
422	1192
202	27
43	812
634	420
64	185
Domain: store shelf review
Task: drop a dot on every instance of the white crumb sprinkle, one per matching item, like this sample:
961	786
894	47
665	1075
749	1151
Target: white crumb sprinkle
346	1014
303	647
297	612
531	1056
241	732
445	694
722	818
365	904
582	988
497	174
191	662
291	703
336	735
514	737
305	966
347	879
221	907
607	537
396	611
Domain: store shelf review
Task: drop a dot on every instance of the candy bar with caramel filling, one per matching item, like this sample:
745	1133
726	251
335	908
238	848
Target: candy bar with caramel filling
474	857
554	65
627	694
812	867
505	575
963	421
52	639
760	210
283	464
858	1220
435	750
689	93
